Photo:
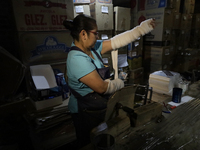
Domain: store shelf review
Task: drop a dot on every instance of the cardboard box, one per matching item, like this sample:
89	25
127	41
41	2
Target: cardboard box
150	4
195	38
157	55
197	6
101	1
184	39
42	15
105	35
39	105
187	60
187	6
175	34
136	76
136	46
161	34
176	5
134	10
103	14
196	21
185	66
43	79
135	62
186	21
156	67
176	21
81	1
44	47
122	18
81	9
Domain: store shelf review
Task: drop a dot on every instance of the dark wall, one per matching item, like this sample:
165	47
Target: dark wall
8	36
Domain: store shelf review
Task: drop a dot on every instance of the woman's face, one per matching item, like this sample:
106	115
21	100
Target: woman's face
92	37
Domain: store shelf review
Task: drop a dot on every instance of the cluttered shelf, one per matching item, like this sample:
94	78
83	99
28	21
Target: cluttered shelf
50	128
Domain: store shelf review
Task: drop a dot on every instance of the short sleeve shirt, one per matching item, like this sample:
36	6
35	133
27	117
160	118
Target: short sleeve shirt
80	64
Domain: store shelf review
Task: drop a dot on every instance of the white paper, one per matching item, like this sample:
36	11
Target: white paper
122	60
184	99
104	9
79	9
114	55
43	77
40	82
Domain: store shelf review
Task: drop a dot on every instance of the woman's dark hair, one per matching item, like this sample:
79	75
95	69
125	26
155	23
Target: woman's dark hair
80	22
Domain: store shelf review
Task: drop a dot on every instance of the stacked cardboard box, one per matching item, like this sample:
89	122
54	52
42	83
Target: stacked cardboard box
103	13
81	7
157	51
41	34
38	29
163	82
177	29
188	38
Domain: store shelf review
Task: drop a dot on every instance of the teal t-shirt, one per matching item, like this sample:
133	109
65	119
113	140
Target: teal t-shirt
80	64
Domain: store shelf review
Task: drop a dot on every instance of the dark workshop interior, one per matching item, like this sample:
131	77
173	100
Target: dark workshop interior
143	115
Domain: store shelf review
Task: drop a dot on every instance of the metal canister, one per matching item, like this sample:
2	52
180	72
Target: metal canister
176	96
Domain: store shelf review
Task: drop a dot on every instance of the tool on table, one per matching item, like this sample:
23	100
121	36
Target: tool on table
172	107
167	109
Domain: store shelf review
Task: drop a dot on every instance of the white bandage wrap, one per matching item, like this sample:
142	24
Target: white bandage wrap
114	85
129	36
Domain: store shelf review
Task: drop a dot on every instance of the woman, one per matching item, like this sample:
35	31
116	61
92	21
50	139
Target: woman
83	63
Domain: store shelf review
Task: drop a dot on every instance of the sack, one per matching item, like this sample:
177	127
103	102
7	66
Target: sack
92	102
104	72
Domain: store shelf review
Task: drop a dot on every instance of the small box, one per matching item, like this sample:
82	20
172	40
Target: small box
44	81
136	76
101	1
81	9
103	14
122	18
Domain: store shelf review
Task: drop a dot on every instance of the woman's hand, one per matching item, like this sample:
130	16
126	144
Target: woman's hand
153	23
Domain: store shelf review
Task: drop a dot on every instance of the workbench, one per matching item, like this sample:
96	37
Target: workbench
176	130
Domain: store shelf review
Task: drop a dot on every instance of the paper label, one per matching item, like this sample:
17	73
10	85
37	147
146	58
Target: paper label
104	37
79	9
104	9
